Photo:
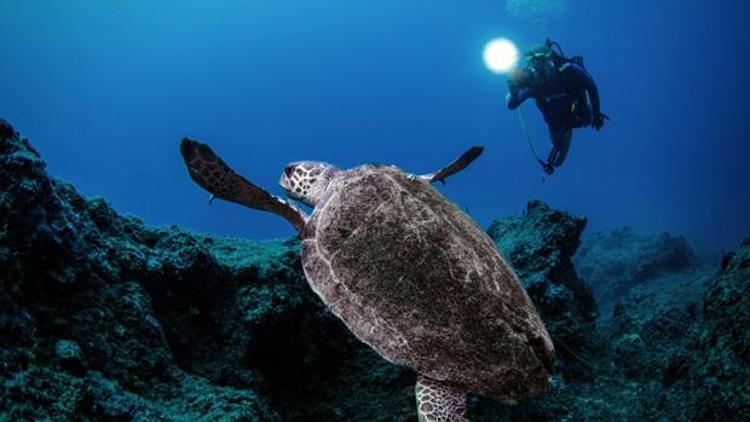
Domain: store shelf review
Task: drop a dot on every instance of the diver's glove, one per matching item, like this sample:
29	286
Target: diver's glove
599	120
547	167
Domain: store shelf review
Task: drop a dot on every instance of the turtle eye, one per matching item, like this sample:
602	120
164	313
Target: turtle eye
289	171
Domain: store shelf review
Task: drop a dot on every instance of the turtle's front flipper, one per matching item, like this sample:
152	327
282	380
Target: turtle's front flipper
459	164
438	402
214	175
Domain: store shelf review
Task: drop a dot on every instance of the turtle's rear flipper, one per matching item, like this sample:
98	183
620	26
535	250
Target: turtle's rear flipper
459	164
215	176
437	401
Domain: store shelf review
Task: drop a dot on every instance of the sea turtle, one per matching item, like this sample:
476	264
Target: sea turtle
408	272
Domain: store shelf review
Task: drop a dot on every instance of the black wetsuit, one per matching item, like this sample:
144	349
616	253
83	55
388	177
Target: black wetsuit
561	97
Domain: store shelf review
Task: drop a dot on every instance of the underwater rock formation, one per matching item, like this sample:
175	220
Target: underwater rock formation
102	317
708	376
83	327
618	261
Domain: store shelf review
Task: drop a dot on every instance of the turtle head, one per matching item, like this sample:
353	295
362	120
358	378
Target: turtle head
306	181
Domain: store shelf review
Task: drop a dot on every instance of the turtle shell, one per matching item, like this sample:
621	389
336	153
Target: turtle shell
414	277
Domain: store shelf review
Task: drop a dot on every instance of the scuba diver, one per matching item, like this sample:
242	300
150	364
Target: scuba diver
560	86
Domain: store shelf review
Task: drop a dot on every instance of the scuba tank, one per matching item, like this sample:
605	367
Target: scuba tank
554	46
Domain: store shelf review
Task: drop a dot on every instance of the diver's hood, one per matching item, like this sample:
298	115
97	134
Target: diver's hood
539	51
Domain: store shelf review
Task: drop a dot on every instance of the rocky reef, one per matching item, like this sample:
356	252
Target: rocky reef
622	262
102	317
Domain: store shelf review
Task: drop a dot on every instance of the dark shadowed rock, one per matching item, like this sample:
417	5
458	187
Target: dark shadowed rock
70	356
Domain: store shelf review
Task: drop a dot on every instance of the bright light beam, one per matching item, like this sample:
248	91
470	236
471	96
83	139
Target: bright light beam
500	55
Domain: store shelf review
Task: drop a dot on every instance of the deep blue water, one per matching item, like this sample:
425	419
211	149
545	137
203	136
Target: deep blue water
105	91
